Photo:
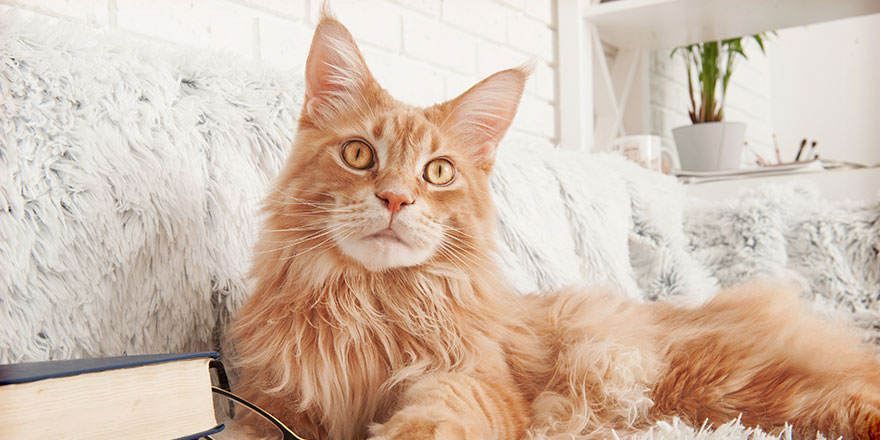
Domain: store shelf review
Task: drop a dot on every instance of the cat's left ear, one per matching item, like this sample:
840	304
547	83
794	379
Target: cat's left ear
480	116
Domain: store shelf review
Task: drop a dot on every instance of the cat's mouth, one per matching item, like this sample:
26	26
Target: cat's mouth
388	247
387	235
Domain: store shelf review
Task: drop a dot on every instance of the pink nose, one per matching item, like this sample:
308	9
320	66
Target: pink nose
394	202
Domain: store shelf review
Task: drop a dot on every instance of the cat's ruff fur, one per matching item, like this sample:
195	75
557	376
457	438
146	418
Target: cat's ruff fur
72	295
343	344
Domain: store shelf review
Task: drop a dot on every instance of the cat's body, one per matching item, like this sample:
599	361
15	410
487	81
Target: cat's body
378	311
572	362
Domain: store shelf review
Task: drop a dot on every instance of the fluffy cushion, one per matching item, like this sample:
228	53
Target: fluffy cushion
593	220
130	178
830	249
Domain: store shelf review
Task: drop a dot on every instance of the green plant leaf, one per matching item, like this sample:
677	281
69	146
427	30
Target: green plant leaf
736	47
760	39
706	60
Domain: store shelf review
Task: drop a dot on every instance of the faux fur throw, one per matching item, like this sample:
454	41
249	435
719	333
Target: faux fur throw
130	176
831	249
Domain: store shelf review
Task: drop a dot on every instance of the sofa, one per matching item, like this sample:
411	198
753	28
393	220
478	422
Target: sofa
131	175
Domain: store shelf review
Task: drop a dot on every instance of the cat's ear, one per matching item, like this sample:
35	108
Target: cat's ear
336	74
480	116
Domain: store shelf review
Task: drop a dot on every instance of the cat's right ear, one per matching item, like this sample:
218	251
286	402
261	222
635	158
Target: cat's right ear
480	116
336	74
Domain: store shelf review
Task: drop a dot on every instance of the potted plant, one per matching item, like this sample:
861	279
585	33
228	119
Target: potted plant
711	143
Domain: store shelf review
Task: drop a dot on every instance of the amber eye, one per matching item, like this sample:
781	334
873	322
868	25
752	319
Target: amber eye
439	171
357	154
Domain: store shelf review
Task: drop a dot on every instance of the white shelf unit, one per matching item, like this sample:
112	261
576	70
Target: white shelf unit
593	93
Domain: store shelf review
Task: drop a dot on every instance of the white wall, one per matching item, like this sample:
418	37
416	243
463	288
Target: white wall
825	83
422	51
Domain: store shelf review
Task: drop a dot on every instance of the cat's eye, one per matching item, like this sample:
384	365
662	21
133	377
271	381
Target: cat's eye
439	171
357	154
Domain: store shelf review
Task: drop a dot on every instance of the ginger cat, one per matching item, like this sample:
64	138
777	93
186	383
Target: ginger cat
378	312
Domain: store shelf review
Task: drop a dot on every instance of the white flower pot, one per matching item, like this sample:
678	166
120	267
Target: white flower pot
710	146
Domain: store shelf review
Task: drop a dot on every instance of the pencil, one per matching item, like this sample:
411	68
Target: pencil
801	150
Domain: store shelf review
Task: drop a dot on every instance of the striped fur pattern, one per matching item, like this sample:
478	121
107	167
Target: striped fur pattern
378	311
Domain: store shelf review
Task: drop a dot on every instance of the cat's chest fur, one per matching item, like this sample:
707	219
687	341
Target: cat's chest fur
365	336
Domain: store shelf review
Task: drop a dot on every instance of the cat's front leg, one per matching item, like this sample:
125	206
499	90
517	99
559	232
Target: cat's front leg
457	406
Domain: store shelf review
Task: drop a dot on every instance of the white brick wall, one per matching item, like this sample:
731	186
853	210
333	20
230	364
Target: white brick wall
748	99
422	51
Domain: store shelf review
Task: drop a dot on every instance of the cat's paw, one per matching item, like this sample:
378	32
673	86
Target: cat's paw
413	427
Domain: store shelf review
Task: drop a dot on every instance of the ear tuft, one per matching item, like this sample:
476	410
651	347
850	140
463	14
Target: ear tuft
336	74
326	12
480	116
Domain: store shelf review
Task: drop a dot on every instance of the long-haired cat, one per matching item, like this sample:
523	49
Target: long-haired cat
378	311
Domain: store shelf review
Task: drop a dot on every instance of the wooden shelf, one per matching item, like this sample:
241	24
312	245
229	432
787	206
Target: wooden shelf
657	24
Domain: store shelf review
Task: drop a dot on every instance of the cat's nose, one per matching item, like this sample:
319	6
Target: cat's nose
393	201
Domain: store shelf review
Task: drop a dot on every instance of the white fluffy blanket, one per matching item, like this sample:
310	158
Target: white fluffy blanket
130	175
129	180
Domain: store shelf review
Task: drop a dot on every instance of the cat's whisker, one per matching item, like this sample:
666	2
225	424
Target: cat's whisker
469	257
305	190
323	213
289	245
285	195
450	260
316	223
461	262
318	234
329	239
469	252
303	228
291	195
459	240
313	192
308	209
470	262
289	203
450	252
458	230
310	215
455	260
313	204
461	243
298	254
461	234
326	235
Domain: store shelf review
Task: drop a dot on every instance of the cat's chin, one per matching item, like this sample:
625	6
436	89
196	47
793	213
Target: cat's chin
384	250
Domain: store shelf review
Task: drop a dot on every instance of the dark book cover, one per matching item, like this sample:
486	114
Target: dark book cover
33	371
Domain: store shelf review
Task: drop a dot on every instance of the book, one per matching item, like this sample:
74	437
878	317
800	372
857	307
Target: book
163	396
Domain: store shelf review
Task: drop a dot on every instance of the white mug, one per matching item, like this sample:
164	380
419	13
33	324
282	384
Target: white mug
648	151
